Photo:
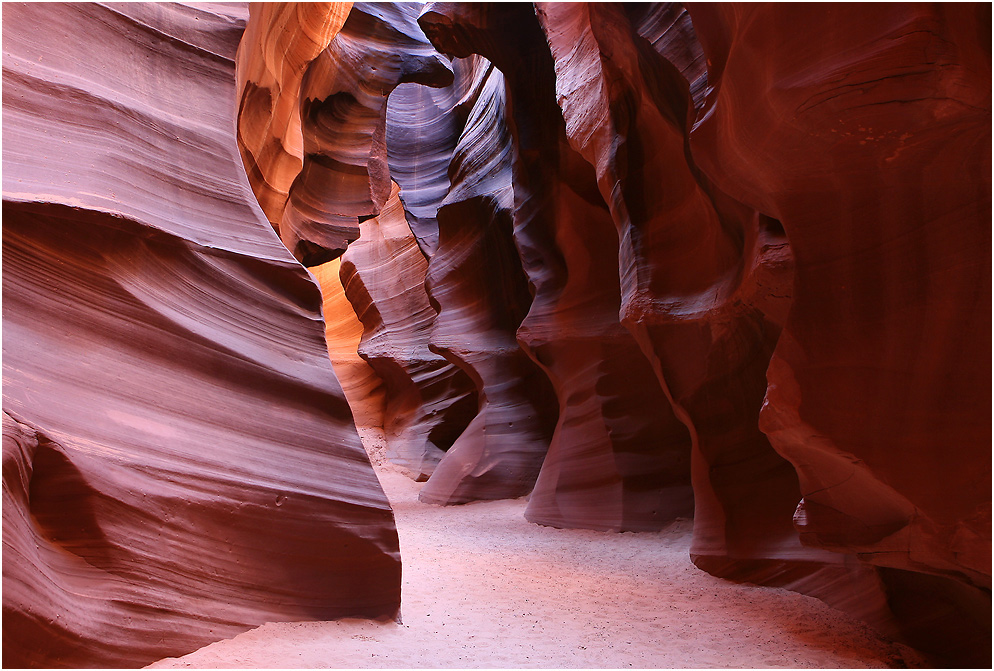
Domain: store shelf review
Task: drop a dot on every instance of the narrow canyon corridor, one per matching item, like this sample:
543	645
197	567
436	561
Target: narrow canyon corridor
496	335
483	588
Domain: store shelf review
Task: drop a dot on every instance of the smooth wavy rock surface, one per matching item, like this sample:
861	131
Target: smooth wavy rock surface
866	130
618	458
179	460
362	386
748	241
428	400
706	318
281	40
343	94
668	27
423	126
476	280
687	275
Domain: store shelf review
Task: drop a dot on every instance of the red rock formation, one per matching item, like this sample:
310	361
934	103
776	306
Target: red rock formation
342	97
341	92
423	126
179	461
691	265
343	331
589	186
865	129
476	281
668	27
428	401
280	42
618	458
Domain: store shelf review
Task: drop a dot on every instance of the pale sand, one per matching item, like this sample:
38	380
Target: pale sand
483	588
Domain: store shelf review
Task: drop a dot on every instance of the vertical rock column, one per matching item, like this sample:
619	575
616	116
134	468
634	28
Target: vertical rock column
474	279
343	178
865	130
696	274
618	458
343	331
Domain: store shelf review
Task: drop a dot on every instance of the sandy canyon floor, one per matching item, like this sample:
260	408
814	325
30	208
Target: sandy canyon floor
483	588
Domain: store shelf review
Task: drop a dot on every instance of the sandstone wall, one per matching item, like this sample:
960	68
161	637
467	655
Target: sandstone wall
180	463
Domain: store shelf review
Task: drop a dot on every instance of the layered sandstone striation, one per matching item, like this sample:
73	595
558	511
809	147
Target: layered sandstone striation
362	386
688	288
281	40
423	126
180	463
618	459
668	27
428	401
327	106
706	278
336	81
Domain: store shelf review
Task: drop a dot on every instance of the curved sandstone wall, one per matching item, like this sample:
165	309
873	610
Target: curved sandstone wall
428	401
180	463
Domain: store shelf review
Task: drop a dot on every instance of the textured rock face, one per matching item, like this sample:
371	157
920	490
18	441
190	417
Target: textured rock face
500	453
362	386
341	87
179	461
618	458
423	126
870	143
707	276
668	27
878	284
328	105
428	401
689	258
280	42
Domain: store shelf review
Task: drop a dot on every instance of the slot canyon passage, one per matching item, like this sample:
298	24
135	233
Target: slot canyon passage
496	335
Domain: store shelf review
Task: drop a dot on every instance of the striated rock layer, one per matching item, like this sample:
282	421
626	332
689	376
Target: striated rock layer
341	89
801	461
668	27
740	247
343	331
180	463
428	401
618	458
423	127
281	40
705	284
688	259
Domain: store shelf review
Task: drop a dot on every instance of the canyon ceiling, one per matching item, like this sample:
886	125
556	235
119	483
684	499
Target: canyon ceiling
636	261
